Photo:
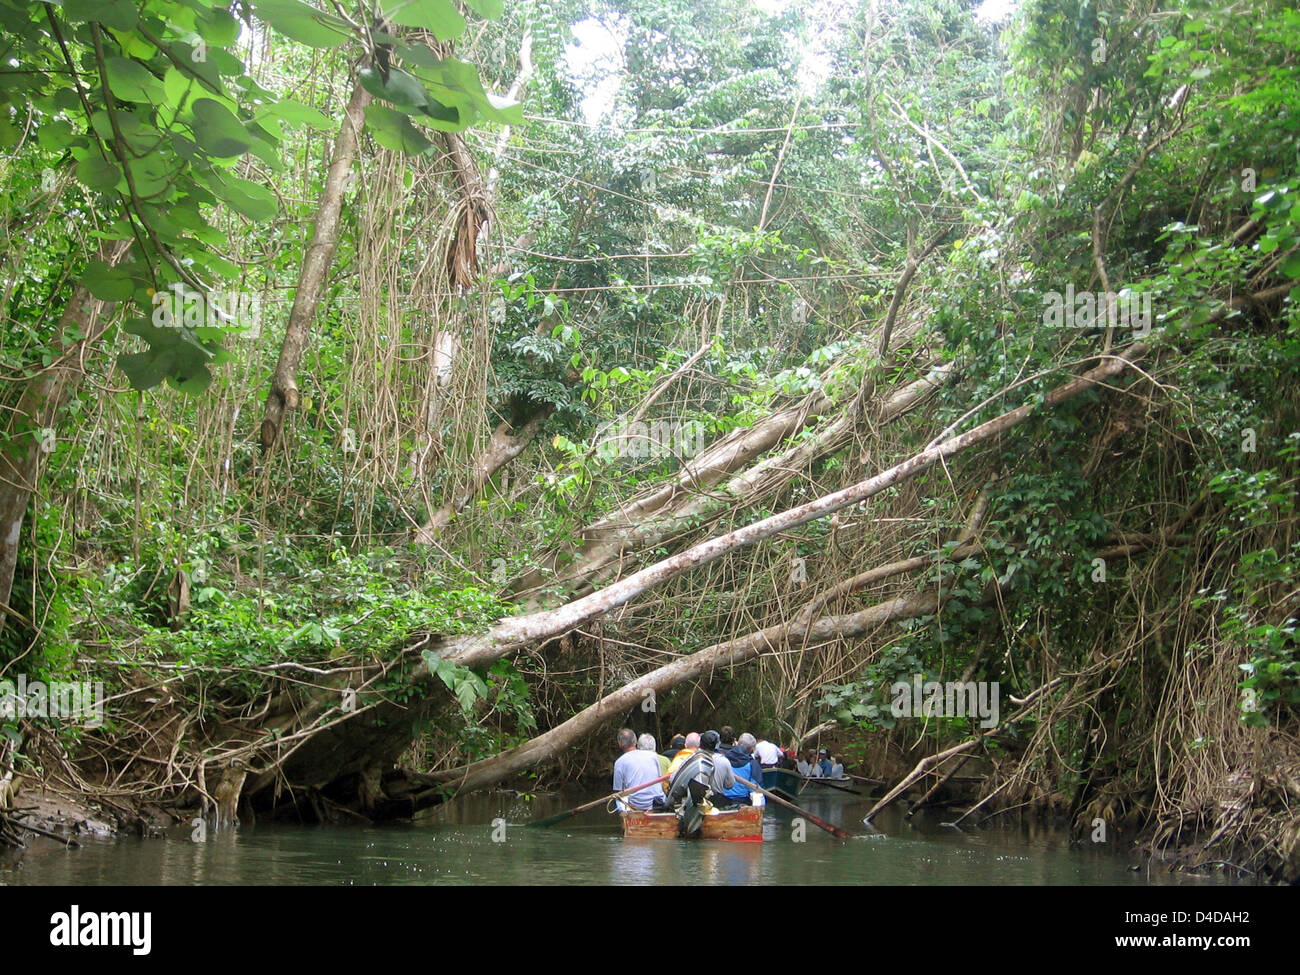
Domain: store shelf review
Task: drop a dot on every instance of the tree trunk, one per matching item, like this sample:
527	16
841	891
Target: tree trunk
547	746
520	631
315	266
680	505
43	398
501	450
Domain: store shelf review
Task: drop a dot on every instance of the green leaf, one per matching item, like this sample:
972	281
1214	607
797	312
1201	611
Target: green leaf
98	174
251	199
143	371
303	23
439	16
393	130
456	83
491	9
296	113
1291	266
107	283
130	80
172	357
400	88
118	14
178	91
218	131
218	27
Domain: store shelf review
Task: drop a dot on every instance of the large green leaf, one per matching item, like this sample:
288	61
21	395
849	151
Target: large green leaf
153	174
107	283
296	113
119	14
218	27
303	23
393	130
400	88
131	81
439	16
218	131
251	199
98	174
171	356
456	83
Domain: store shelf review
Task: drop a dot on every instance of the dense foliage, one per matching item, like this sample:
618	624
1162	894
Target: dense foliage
699	216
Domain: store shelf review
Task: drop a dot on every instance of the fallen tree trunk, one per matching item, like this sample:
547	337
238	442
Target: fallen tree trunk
679	506
771	639
795	632
512	634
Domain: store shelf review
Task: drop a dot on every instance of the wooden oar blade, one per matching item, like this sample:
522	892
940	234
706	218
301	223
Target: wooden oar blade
552	820
561	817
833	830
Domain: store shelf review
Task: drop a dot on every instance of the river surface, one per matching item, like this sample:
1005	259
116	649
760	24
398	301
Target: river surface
466	842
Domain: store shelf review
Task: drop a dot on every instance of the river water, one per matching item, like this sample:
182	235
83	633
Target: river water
466	842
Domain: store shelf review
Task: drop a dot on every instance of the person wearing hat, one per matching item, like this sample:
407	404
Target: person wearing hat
705	776
826	767
674	746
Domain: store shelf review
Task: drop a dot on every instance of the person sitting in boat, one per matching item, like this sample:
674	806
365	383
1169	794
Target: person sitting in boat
808	766
704	776
826	766
745	765
646	743
687	750
769	755
635	767
674	746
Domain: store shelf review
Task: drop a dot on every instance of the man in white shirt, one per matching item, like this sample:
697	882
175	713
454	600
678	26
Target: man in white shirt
634	767
768	753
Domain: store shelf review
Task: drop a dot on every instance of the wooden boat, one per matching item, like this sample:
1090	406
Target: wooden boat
745	823
785	782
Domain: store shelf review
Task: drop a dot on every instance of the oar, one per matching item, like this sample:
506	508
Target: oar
833	830
552	820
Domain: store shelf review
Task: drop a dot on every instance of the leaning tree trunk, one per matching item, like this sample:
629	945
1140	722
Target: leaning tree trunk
699	492
315	266
501	450
520	631
43	398
791	633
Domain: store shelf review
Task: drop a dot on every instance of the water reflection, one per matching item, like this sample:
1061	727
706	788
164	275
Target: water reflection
456	845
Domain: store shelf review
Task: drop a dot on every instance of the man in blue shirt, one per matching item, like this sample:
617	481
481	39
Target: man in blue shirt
634	767
744	764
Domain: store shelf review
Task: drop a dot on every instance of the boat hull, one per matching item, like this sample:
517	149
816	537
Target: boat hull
744	823
786	783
